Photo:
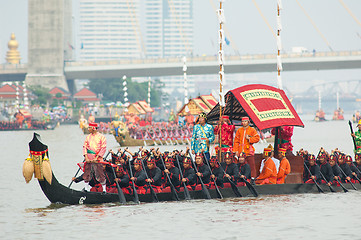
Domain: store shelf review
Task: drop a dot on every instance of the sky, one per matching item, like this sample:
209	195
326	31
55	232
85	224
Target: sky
247	31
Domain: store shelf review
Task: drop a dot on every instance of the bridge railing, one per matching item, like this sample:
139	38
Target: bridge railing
16	67
213	58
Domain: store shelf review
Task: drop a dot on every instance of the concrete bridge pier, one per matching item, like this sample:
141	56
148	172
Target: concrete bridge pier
46	43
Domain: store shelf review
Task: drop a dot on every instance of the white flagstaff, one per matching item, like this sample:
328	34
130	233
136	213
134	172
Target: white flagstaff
279	44
125	91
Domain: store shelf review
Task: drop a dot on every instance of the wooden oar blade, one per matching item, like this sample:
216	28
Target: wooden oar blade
251	189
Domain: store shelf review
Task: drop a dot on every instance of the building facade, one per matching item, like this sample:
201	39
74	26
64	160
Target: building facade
168	28
109	29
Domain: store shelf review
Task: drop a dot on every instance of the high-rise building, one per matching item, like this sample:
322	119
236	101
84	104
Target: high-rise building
169	28
168	32
109	29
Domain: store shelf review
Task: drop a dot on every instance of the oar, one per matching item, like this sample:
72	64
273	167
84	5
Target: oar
331	188
342	186
250	187
318	186
120	191
353	186
187	196
358	179
79	170
204	188
219	194
154	195
75	176
135	194
174	192
233	185
353	139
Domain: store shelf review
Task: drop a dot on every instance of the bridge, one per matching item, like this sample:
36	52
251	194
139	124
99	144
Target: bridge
196	65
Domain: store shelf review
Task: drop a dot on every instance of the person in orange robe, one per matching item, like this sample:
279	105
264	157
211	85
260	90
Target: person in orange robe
268	173
285	167
245	137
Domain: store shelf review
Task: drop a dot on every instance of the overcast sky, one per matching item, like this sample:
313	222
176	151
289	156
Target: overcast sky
247	30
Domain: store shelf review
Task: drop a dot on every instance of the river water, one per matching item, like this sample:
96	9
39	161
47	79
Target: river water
25	212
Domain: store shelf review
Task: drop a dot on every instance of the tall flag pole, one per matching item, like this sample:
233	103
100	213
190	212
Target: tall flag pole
279	44
149	91
25	93
221	39
17	95
185	80
279	63
125	91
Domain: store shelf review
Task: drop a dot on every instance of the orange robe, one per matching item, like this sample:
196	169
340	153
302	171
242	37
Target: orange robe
241	144
268	174
284	170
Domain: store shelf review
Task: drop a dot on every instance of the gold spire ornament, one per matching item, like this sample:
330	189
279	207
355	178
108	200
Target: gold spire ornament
13	55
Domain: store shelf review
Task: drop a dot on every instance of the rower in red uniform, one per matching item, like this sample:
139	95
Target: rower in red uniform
268	173
93	150
244	169
230	168
346	171
154	173
138	175
189	175
217	173
285	167
202	169
314	169
173	173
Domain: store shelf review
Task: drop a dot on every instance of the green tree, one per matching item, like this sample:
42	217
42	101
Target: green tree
112	90
42	95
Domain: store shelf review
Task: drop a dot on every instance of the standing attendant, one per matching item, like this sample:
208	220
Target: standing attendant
227	131
202	136
357	136
284	168
245	137
93	150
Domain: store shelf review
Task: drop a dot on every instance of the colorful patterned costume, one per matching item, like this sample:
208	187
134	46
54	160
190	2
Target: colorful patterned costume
227	136
199	137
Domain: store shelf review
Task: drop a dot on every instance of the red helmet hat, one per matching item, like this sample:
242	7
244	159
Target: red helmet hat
357	156
228	155
151	159
187	160
120	169
311	157
138	161
348	158
93	125
332	157
213	159
199	155
242	155
169	160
